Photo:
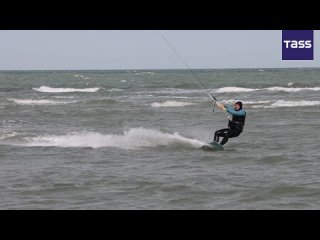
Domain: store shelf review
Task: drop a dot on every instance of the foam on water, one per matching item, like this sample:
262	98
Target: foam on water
131	139
282	103
37	102
7	135
235	89
275	89
64	90
115	90
293	89
232	101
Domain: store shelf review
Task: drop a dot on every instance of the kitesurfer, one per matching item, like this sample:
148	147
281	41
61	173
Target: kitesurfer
236	122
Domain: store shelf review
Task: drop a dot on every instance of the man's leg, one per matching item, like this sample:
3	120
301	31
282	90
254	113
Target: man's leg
230	134
220	133
225	140
216	136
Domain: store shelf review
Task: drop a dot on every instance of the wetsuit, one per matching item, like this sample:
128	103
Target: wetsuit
235	126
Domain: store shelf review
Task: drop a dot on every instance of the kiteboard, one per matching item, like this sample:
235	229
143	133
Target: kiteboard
213	146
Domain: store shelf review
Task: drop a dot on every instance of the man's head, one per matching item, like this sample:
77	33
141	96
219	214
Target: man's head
238	106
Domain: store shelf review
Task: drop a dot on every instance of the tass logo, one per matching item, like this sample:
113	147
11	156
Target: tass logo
297	44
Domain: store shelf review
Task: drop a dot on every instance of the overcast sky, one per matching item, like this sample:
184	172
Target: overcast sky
95	50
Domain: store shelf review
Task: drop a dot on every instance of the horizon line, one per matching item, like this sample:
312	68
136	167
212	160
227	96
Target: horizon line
155	69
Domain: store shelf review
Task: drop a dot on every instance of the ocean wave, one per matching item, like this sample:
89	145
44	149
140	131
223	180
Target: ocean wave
256	102
115	90
274	103
293	89
235	89
231	89
143	73
300	85
180	97
275	89
64	90
64	97
171	104
7	135
37	102
232	101
81	76
132	139
282	103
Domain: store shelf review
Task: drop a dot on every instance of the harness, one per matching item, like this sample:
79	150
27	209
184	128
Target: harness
237	122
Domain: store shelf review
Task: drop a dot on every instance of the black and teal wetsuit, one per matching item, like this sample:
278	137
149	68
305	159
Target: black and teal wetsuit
235	126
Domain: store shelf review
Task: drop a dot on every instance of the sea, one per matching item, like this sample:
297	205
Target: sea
131	139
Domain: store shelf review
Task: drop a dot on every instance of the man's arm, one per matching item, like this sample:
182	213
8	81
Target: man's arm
220	106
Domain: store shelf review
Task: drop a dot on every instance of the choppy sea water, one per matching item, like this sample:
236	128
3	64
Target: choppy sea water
131	140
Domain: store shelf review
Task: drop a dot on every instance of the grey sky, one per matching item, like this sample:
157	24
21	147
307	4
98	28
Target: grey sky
64	50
